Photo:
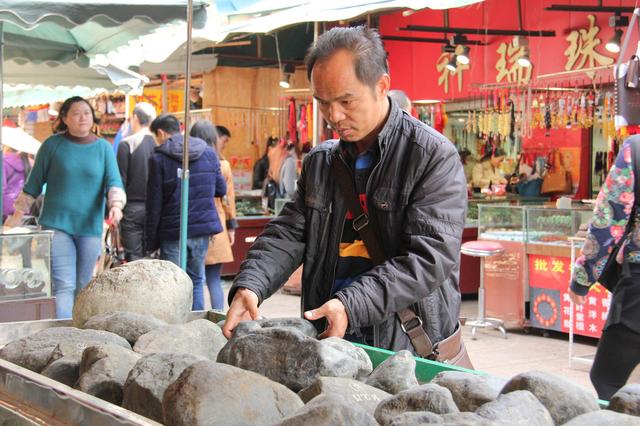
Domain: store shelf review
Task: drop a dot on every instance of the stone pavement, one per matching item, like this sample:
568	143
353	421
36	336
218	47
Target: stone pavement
492	353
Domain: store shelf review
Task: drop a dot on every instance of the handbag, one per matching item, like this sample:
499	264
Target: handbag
612	271
450	350
557	180
627	84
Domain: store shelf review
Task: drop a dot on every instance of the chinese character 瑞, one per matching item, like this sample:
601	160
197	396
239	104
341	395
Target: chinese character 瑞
508	65
540	265
581	50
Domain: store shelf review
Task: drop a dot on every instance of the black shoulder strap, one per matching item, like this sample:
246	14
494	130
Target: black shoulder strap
410	322
635	157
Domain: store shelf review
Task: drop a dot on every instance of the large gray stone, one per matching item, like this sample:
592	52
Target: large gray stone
418	418
469	391
299	324
395	374
104	370
355	352
563	398
128	325
287	356
35	351
150	377
328	410
429	397
208	392
518	408
149	287
200	337
627	400
350	391
65	370
604	418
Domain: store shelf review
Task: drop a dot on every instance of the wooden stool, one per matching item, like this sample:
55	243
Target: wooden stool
483	249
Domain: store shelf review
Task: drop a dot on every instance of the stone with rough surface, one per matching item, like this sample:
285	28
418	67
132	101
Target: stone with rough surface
65	370
518	408
200	337
287	356
327	410
128	325
418	418
207	391
299	324
604	418
355	352
395	374
35	352
104	370
148	380
347	390
429	397
469	391
563	398
626	400
148	287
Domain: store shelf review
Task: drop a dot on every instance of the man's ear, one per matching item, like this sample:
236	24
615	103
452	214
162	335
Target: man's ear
383	85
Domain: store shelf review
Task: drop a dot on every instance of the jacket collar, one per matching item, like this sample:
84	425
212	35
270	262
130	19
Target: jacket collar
393	121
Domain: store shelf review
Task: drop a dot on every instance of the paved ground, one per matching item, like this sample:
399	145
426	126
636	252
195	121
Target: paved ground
492	353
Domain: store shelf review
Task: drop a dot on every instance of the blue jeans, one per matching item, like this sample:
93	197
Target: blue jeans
213	273
196	253
73	260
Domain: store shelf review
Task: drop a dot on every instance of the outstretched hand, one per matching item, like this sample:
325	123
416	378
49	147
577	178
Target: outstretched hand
336	315
244	307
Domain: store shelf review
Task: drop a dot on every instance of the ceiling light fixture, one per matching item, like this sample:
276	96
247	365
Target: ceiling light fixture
525	59
462	50
613	45
285	78
453	63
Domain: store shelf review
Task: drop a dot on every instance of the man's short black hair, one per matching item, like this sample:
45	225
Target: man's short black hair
223	131
167	123
370	58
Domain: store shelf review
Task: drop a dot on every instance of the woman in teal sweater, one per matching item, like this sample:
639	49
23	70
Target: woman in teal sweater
80	173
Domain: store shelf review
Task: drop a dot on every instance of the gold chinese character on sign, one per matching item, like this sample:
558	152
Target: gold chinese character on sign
446	73
508	66
540	265
582	52
557	266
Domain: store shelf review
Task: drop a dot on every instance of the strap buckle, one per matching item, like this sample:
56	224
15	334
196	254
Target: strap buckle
406	329
360	222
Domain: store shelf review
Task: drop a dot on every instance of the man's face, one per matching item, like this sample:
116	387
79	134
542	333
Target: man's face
352	108
222	142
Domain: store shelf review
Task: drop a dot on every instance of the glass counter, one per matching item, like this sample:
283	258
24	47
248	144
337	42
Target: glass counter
501	222
251	203
506	200
25	270
555	226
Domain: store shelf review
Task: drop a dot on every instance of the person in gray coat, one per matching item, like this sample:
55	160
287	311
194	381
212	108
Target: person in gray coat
411	185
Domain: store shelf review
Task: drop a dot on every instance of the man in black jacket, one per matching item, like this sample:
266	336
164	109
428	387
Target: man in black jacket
133	158
411	186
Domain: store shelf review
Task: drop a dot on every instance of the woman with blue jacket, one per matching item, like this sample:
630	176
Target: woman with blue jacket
81	174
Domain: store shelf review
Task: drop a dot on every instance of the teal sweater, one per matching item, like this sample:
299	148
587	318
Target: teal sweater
78	177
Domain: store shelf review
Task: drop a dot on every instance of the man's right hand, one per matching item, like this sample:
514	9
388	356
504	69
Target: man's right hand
244	307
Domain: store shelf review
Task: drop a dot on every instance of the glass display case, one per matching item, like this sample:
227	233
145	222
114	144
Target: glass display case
25	270
501	222
251	203
555	226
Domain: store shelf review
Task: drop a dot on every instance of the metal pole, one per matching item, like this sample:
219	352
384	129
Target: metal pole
1	108
165	98
184	201
316	110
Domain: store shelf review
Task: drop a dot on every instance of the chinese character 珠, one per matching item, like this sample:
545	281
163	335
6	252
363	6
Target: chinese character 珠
581	51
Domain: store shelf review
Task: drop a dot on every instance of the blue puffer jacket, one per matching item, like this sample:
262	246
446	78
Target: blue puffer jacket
164	191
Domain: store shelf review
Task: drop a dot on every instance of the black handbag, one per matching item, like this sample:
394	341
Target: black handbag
614	272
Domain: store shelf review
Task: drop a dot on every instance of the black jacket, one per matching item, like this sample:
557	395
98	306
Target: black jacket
133	160
417	202
164	190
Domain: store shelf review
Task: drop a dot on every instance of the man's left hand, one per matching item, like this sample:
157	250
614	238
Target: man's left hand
336	316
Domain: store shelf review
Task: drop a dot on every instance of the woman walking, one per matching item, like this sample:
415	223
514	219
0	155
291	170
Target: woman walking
81	174
219	251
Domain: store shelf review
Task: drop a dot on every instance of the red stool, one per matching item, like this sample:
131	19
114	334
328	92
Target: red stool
483	249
